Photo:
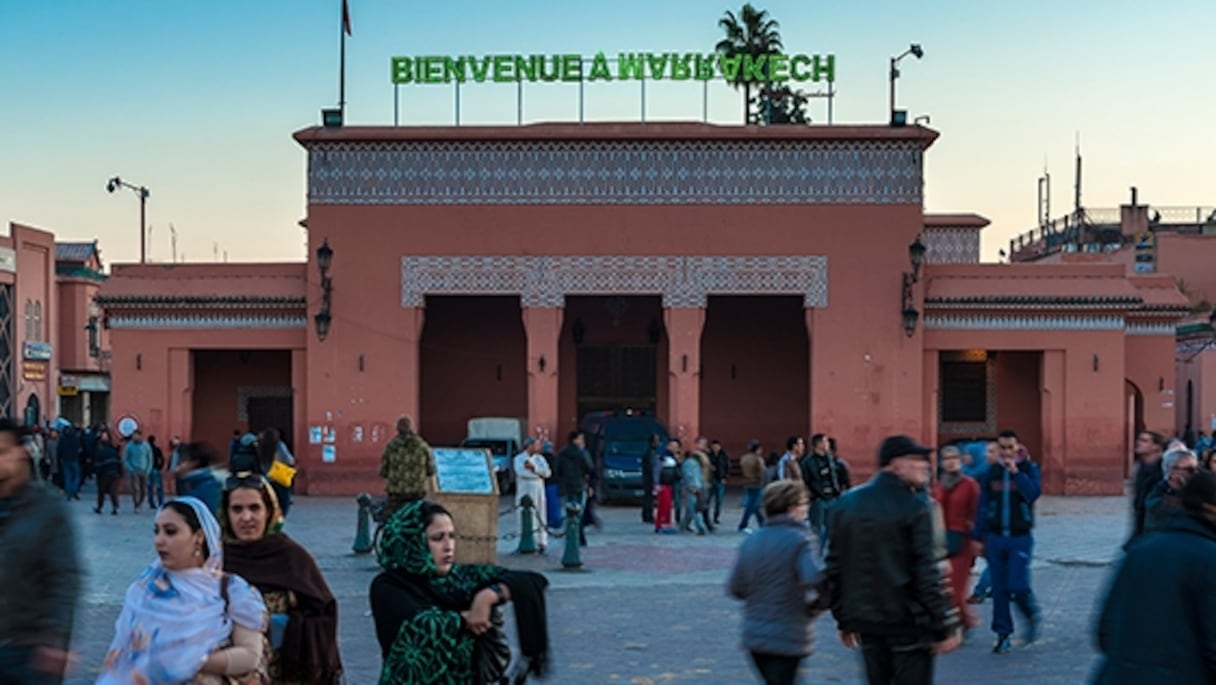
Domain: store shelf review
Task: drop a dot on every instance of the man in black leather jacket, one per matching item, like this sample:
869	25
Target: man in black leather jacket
883	577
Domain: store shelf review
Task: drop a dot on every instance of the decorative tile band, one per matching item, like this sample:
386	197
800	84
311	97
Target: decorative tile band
1062	322
620	172
952	245
545	281
1151	328
137	321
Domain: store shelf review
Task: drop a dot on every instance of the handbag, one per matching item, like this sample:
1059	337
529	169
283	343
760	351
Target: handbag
492	651
281	474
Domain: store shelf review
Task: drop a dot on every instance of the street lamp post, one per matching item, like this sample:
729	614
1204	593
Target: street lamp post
914	50
114	184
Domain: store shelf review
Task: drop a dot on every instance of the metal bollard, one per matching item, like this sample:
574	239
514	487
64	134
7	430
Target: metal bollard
572	558
363	533
527	535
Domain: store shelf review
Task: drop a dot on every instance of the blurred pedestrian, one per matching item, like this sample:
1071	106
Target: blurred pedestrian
751	465
196	475
156	480
777	575
1158	621
406	465
108	467
39	571
885	585
137	460
959	497
1162	502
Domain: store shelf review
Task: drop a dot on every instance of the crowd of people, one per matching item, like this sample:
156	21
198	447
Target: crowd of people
230	597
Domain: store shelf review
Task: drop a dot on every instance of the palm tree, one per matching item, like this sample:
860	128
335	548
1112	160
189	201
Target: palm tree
751	33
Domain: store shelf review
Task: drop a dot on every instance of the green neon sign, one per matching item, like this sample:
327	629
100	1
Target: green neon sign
627	66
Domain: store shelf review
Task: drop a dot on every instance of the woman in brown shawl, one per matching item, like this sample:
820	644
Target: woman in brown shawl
304	614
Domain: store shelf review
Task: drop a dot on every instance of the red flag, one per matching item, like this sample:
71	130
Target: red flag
345	17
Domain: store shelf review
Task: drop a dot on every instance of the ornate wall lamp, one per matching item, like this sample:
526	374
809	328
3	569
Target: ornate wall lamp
909	313
322	319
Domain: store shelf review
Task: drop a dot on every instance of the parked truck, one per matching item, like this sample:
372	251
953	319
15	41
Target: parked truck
504	438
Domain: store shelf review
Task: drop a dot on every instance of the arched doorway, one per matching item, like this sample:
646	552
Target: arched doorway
1134	422
33	411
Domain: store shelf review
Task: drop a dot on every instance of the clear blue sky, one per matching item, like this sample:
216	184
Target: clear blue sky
198	100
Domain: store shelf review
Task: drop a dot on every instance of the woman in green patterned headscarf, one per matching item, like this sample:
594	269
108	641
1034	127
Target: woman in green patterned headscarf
429	610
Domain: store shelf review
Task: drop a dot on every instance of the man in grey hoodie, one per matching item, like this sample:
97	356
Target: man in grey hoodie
137	459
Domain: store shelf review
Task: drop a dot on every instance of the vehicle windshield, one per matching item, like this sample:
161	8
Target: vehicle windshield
495	446
633	447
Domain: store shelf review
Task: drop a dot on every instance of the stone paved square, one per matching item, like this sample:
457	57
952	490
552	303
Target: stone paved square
648	608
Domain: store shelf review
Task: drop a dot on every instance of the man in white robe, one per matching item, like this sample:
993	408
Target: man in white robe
531	470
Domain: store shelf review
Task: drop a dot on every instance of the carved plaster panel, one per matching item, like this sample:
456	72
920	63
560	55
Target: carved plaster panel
1030	322
190	320
615	172
952	245
682	281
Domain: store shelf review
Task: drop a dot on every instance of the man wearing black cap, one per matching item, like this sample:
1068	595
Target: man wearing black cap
883	581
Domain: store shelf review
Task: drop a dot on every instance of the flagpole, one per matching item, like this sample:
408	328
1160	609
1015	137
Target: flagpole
342	62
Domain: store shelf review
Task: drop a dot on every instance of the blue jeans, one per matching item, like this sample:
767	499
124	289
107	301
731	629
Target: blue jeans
983	586
71	478
751	505
691	515
15	668
819	515
717	492
156	490
1009	559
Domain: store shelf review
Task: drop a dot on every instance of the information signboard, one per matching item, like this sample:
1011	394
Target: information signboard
465	471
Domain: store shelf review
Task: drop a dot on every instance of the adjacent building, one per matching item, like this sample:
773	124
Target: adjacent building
1179	244
46	301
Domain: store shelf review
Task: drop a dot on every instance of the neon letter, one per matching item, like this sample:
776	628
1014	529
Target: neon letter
629	66
754	68
599	68
434	69
480	68
730	66
681	67
525	67
796	73
572	68
502	68
705	67
403	69
825	68
779	68
657	63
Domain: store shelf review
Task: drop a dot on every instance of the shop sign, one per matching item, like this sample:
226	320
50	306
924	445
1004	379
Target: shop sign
626	66
68	391
34	370
8	260
36	350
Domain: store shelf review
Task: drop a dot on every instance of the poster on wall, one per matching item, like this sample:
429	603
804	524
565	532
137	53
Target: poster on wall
314	435
329	454
357	434
330	434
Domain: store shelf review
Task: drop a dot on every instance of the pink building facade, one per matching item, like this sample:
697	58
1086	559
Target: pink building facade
740	282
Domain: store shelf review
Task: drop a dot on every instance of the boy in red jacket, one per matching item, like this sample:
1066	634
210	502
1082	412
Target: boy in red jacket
959	497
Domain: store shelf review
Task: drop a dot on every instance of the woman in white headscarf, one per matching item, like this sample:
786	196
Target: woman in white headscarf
184	620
